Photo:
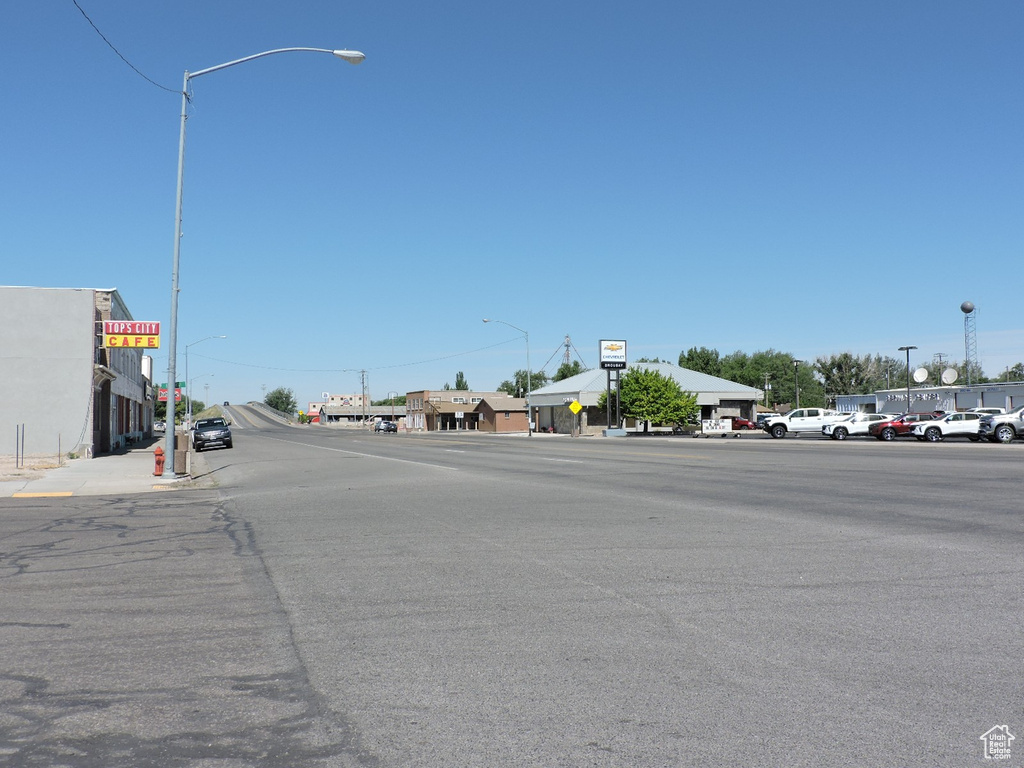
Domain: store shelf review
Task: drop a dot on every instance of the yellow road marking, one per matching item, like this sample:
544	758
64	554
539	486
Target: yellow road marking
40	495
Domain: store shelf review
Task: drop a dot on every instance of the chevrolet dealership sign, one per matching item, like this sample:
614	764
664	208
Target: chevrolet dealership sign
131	334
613	354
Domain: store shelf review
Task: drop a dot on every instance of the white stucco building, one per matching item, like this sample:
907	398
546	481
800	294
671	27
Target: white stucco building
61	391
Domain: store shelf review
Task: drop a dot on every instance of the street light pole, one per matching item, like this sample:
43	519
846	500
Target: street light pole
188	388
352	57
529	410
188	385
796	379
907	350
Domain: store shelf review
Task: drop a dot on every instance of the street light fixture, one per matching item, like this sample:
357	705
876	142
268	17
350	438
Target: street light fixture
352	57
529	411
796	378
907	350
188	384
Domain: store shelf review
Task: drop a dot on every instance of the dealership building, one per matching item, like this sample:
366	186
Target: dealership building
1006	395
718	398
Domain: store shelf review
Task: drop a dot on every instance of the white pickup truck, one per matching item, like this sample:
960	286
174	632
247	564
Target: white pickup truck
801	420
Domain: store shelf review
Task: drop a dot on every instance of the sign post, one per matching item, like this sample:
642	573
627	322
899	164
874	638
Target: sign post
613	358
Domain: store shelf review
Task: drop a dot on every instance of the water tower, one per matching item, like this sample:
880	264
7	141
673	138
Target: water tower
970	340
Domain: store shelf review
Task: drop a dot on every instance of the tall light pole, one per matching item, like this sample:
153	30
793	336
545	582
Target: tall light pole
188	385
188	388
392	395
352	57
529	411
796	379
907	350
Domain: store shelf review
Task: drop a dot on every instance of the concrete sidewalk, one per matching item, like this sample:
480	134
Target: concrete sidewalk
129	471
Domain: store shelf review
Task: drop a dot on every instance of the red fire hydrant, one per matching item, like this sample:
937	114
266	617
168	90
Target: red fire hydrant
158	454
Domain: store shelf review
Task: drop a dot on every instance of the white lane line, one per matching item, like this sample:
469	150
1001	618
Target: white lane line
562	461
357	453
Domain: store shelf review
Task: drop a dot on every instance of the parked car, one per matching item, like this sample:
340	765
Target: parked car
963	424
800	420
987	410
741	423
159	426
1002	427
854	424
894	426
211	432
385	426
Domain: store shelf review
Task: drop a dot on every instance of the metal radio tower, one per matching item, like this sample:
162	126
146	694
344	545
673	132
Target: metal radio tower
970	340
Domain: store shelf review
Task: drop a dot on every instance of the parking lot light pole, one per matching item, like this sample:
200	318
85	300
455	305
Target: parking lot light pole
796	379
907	350
352	57
529	411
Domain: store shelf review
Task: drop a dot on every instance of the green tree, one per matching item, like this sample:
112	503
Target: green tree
399	400
180	409
565	370
518	385
281	399
750	370
703	360
650	397
848	374
460	382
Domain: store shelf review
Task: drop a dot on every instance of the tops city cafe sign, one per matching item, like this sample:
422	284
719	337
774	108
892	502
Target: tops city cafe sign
131	334
613	354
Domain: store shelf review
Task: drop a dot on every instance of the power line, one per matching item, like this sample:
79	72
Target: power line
355	370
119	54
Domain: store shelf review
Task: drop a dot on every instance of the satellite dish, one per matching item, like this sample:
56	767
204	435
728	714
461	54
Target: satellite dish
920	375
967	307
949	376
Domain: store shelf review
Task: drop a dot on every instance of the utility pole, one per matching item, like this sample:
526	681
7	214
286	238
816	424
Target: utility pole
362	377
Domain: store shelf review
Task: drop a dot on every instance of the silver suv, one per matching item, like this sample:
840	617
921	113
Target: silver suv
1003	427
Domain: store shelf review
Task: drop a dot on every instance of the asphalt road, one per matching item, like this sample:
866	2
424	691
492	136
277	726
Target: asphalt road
347	598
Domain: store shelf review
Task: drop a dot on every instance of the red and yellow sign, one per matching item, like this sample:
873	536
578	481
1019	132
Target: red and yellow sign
162	394
131	334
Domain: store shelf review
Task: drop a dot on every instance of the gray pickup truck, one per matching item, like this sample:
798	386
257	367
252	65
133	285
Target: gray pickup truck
1002	427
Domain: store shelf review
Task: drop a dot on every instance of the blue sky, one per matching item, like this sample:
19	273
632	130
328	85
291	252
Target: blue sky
803	176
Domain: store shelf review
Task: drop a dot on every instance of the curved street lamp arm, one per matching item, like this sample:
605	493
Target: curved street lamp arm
352	57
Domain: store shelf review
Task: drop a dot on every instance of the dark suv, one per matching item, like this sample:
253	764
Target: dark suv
385	426
898	425
211	432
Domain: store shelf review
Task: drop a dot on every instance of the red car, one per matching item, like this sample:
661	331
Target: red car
738	423
899	425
